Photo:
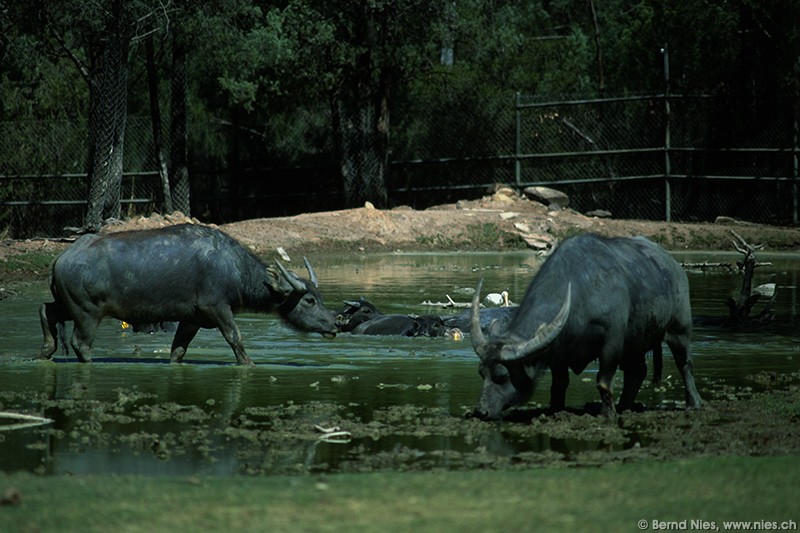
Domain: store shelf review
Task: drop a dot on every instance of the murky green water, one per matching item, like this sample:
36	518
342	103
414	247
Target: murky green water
132	412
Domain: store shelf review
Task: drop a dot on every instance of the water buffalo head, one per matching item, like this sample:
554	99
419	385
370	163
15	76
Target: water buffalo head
509	366
302	304
354	313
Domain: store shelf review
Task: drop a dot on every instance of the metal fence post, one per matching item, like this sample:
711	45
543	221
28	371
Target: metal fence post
517	141
667	140
795	154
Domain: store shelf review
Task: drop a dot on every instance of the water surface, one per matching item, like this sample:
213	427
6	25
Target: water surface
132	412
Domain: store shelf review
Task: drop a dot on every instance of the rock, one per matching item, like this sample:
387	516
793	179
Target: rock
599	213
369	206
547	196
534	239
501	188
537	241
730	221
11	496
521	226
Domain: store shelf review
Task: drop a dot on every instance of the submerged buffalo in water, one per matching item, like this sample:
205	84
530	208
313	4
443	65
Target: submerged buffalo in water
195	275
594	298
361	317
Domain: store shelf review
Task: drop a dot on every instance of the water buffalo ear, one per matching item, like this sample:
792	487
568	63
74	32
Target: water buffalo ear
274	280
282	281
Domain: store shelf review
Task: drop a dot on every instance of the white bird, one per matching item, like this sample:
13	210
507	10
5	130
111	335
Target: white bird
496	299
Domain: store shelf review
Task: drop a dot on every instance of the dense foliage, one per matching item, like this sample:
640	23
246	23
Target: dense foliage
345	85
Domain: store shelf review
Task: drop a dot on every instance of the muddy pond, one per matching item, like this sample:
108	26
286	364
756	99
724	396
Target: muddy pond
398	403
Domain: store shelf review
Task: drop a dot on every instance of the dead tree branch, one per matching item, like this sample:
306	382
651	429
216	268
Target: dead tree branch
741	307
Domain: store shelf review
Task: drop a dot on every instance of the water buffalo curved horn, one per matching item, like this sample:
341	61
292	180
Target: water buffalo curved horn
293	280
544	335
476	333
311	275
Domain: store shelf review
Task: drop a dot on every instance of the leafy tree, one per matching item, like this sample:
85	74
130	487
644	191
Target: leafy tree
348	56
97	41
312	82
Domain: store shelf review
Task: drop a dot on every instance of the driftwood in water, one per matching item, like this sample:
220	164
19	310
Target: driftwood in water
705	265
741	307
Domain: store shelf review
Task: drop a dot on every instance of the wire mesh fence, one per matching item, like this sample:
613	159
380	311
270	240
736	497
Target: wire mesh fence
648	157
683	158
43	183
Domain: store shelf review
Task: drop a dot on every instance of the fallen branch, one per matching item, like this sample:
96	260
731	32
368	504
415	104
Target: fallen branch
449	304
705	265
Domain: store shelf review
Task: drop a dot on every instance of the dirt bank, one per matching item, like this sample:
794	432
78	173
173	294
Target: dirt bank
496	222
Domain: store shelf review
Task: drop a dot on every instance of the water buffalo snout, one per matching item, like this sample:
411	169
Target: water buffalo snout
479	414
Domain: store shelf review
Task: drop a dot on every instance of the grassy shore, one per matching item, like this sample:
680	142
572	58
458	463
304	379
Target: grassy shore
623	497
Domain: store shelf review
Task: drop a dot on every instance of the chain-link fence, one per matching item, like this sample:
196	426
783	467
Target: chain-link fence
43	184
648	157
651	157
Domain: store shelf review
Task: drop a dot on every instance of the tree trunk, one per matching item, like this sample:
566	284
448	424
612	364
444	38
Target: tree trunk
155	116
361	123
108	111
598	50
178	147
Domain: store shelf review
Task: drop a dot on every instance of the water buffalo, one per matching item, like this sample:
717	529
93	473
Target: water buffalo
497	317
361	317
611	299
403	325
355	312
192	274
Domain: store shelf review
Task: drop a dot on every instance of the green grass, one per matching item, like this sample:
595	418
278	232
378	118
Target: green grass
613	498
27	264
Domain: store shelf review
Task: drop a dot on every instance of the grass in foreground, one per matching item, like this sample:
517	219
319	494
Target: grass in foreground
614	498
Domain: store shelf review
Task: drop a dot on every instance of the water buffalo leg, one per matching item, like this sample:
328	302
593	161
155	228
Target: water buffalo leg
605	378
558	387
222	316
49	330
635	372
681	352
183	336
230	331
83	336
658	363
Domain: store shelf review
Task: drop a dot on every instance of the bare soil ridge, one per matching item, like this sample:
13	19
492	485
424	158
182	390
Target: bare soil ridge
494	222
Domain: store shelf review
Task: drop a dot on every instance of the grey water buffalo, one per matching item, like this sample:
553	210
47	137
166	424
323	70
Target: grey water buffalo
495	317
361	317
195	275
611	299
356	312
403	325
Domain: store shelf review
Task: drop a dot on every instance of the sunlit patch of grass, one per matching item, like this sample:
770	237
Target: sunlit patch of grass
613	498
